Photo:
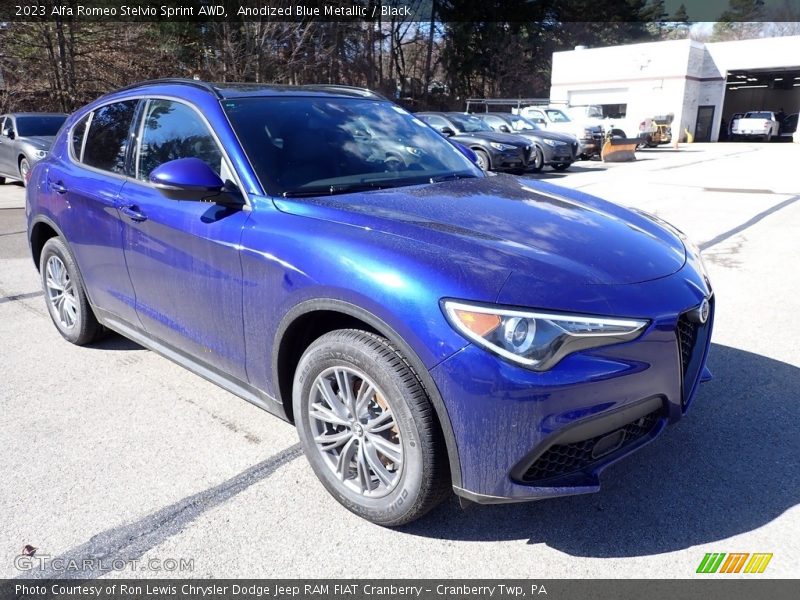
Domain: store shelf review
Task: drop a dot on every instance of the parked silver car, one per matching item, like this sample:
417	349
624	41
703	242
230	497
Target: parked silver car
25	139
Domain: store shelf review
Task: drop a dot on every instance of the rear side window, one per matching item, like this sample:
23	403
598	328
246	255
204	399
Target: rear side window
108	135
173	130
78	135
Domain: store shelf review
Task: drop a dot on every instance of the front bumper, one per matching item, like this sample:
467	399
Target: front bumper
555	155
523	435
509	160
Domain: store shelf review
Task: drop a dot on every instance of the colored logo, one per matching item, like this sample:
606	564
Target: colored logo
734	562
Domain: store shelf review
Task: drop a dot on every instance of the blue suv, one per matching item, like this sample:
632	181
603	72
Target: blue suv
329	257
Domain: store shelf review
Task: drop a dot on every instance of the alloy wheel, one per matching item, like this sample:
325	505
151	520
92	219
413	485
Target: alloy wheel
355	431
61	292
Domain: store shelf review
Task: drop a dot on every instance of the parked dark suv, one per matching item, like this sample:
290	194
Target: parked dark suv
558	150
495	151
327	256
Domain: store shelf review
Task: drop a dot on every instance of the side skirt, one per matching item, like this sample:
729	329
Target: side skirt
203	369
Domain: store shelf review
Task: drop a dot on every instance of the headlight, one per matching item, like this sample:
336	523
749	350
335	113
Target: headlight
554	143
501	147
537	340
40	153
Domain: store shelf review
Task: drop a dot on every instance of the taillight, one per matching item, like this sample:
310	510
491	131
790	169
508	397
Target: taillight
642	125
767	123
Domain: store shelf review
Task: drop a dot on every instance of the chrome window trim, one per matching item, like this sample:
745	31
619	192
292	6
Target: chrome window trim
147	97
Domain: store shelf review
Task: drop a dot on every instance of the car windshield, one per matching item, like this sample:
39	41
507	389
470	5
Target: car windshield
521	124
39	125
556	116
469	124
758	115
305	146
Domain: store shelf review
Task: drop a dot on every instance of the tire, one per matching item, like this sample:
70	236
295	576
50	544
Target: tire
387	494
561	166
72	315
768	137
483	159
537	163
24	169
2	180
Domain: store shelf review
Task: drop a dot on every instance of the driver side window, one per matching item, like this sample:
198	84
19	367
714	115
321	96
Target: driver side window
172	130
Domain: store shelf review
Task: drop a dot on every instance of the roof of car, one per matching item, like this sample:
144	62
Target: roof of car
244	90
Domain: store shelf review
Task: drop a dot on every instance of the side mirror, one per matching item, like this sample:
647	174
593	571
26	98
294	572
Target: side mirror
505	129
186	175
9	133
447	131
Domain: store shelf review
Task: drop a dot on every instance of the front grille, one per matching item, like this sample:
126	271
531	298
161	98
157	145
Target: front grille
692	341
563	459
687	338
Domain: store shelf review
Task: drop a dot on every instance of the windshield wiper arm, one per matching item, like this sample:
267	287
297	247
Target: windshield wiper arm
342	188
452	177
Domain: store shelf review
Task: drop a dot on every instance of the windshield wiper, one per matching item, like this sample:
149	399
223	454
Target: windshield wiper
452	177
342	188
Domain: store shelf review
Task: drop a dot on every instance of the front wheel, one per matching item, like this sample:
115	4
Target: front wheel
538	160
483	159
24	170
368	428
66	299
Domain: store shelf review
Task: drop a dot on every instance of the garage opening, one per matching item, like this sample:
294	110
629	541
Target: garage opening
774	90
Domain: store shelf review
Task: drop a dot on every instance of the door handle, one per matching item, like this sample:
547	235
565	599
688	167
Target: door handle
133	213
58	187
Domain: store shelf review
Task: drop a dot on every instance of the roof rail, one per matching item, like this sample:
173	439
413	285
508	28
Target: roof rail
515	102
204	85
334	86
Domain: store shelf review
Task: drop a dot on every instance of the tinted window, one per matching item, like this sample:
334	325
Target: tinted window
759	115
435	121
324	145
521	124
107	139
172	130
469	124
494	122
44	126
78	133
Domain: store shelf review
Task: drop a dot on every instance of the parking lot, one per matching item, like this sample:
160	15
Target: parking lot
112	452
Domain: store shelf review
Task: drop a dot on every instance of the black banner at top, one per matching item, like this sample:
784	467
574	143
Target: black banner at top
547	12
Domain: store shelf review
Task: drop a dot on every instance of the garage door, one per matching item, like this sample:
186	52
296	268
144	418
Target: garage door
587	97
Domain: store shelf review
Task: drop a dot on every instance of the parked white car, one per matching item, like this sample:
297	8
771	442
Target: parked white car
762	124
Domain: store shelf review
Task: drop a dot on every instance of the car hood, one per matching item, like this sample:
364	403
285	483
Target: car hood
543	134
492	136
535	229
41	142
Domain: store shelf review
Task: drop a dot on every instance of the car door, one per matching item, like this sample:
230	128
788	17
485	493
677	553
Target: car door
84	190
183	255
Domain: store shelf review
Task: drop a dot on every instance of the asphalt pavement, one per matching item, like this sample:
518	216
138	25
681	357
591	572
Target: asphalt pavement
113	453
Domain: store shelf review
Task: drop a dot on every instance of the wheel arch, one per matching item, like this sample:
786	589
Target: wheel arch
309	320
41	230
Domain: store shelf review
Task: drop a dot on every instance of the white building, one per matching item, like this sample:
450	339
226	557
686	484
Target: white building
700	84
